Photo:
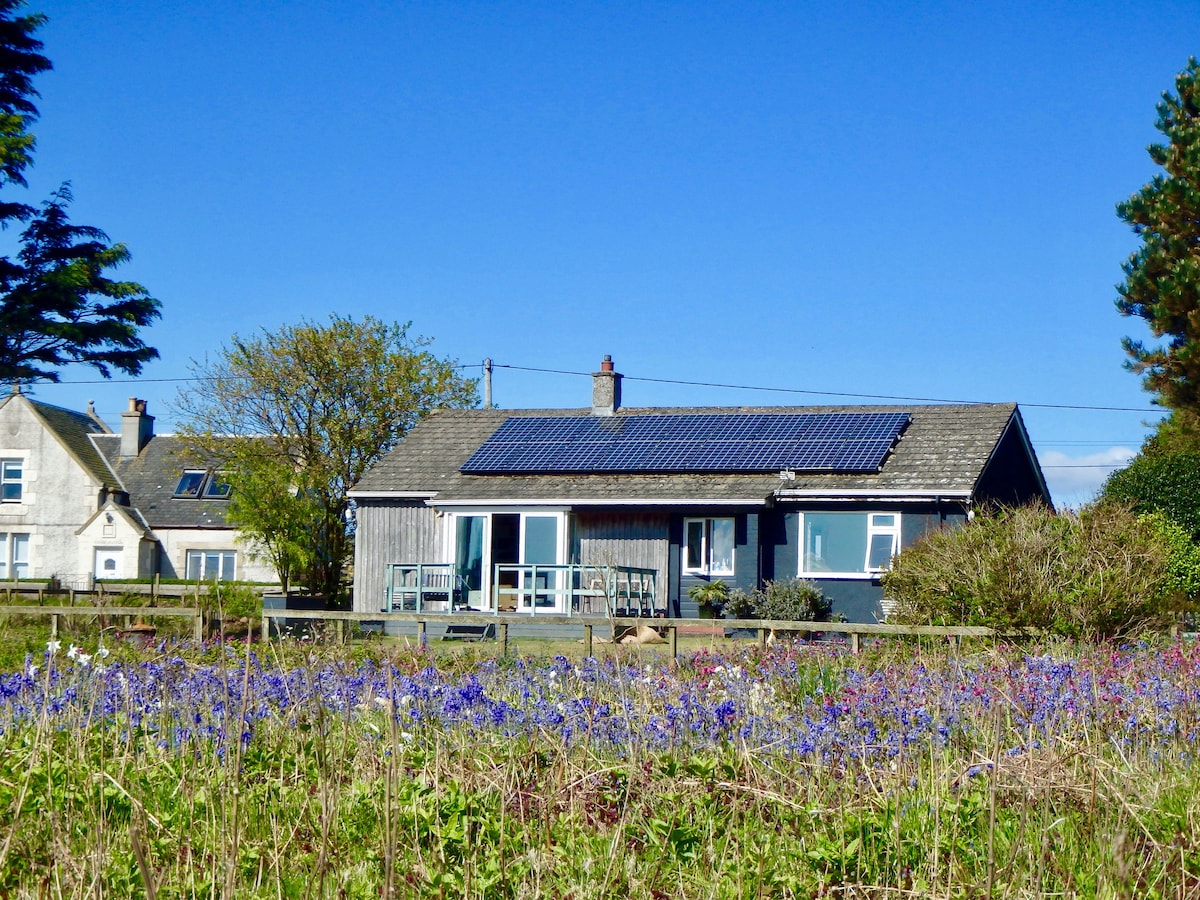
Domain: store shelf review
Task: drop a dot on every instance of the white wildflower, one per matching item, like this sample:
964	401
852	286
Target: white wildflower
53	647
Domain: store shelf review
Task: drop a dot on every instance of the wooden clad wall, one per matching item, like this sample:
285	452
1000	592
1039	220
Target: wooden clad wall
391	531
624	539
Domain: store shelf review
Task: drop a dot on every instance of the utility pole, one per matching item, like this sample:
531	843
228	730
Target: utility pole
487	383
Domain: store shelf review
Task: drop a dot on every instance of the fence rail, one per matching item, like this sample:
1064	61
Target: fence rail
141	612
501	621
854	630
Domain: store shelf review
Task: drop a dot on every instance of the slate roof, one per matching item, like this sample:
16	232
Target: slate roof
150	478
73	430
944	449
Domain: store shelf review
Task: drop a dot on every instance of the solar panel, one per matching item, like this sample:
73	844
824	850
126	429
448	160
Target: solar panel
696	442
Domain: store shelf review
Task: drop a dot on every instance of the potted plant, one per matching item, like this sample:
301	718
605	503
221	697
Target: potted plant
710	597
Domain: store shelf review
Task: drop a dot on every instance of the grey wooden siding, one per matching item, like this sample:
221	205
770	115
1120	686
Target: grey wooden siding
624	539
391	531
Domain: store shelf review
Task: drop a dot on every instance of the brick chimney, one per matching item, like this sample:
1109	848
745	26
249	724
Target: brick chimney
137	427
606	389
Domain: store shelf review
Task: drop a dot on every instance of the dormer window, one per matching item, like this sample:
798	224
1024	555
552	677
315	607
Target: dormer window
191	484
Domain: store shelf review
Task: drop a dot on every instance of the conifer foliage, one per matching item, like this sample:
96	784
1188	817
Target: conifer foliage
1162	279
57	305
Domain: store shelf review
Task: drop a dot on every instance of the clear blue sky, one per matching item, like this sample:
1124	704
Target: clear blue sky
905	199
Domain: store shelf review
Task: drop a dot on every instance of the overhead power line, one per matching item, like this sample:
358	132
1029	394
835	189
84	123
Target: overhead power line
846	394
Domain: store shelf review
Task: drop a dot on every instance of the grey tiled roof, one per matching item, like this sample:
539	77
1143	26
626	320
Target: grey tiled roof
151	477
945	448
74	429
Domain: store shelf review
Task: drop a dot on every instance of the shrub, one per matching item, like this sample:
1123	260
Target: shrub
1166	482
710	593
789	599
1102	572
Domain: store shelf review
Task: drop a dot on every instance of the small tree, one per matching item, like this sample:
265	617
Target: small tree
1162	279
297	416
1162	482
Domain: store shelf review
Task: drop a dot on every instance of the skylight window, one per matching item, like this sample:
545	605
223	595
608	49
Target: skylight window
196	484
191	483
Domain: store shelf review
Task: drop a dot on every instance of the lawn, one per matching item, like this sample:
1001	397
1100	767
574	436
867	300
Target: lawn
796	771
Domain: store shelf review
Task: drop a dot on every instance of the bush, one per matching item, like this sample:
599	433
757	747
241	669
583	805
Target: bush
790	599
1166	482
1102	572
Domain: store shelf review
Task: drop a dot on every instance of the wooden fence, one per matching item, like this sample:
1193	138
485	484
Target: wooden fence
128	612
502	621
855	631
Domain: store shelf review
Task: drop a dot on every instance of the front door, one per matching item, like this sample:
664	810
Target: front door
108	563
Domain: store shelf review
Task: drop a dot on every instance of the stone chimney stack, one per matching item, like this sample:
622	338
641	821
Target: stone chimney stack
136	428
606	389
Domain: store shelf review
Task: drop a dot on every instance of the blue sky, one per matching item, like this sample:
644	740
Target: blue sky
898	199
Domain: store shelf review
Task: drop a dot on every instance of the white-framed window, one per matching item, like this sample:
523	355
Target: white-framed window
211	565
708	546
848	543
190	483
14	556
12	480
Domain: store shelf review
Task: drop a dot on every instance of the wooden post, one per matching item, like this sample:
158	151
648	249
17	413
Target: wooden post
504	639
341	632
54	626
71	597
855	645
154	589
266	628
762	638
198	626
587	640
673	642
421	632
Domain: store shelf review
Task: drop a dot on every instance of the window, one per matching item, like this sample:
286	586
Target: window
217	488
849	543
14	556
11	480
708	546
211	565
190	484
201	483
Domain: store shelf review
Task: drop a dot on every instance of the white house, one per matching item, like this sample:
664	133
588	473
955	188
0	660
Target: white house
80	503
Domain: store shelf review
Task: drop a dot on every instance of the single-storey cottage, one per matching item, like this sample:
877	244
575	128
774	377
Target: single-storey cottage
79	502
620	509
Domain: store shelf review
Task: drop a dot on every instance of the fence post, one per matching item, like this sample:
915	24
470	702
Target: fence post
854	643
673	642
421	632
265	630
504	639
341	632
762	638
587	640
54	626
198	625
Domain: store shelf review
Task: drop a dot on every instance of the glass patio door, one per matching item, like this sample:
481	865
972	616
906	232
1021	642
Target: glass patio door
484	540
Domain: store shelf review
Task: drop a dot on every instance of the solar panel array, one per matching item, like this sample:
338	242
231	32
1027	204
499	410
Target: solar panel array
697	442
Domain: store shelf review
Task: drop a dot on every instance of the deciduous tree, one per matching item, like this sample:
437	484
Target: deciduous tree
298	415
1162	279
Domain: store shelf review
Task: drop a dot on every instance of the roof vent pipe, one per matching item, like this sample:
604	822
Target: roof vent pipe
606	389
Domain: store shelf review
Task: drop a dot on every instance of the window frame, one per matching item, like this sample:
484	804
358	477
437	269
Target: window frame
10	559
6	481
226	555
705	566
875	525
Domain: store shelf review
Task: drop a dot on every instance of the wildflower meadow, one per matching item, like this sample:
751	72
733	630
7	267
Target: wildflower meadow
799	770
